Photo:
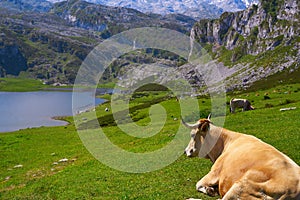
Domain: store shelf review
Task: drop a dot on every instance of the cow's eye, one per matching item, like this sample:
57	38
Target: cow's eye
193	135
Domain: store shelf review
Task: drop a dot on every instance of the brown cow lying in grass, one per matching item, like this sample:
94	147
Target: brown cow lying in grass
244	167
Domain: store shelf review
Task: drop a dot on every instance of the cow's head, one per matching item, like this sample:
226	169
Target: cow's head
198	133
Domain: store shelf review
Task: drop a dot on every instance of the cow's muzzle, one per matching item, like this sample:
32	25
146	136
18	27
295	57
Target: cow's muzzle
189	152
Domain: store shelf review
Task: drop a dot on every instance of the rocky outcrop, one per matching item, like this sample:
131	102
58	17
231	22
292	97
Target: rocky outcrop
12	61
260	41
255	27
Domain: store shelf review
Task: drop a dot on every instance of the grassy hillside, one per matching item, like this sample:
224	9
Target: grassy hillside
20	85
38	150
23	85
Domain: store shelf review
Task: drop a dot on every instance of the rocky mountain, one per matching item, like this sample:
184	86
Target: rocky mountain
234	5
256	47
197	9
111	20
55	1
51	45
193	8
27	5
258	43
42	45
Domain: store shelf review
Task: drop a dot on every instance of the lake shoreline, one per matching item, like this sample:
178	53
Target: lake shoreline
22	110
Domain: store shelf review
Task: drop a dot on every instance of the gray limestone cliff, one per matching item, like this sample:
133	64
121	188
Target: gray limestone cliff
253	44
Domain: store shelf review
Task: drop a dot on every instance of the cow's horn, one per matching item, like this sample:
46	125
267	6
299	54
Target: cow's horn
209	116
191	126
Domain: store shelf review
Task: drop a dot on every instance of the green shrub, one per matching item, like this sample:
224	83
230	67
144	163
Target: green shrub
269	105
287	101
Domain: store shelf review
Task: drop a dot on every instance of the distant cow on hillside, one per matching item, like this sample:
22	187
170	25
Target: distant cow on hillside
240	103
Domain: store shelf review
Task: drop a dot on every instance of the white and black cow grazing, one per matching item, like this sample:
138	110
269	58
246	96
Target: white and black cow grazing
240	103
244	167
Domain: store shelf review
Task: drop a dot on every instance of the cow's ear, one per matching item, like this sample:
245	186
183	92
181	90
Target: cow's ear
204	126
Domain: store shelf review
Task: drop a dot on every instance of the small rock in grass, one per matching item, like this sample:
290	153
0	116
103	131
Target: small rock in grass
63	160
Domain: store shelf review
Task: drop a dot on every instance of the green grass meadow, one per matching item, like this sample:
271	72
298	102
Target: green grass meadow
38	150
20	84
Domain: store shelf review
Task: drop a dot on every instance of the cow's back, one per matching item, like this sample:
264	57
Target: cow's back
250	160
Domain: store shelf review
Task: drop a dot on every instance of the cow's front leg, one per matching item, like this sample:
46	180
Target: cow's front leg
209	184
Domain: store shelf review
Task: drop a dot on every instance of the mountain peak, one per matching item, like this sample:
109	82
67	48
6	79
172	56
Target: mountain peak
234	5
197	9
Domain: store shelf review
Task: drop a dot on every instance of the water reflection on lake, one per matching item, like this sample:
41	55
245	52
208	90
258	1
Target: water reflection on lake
19	110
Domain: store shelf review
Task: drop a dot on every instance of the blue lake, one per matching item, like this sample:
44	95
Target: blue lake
20	110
